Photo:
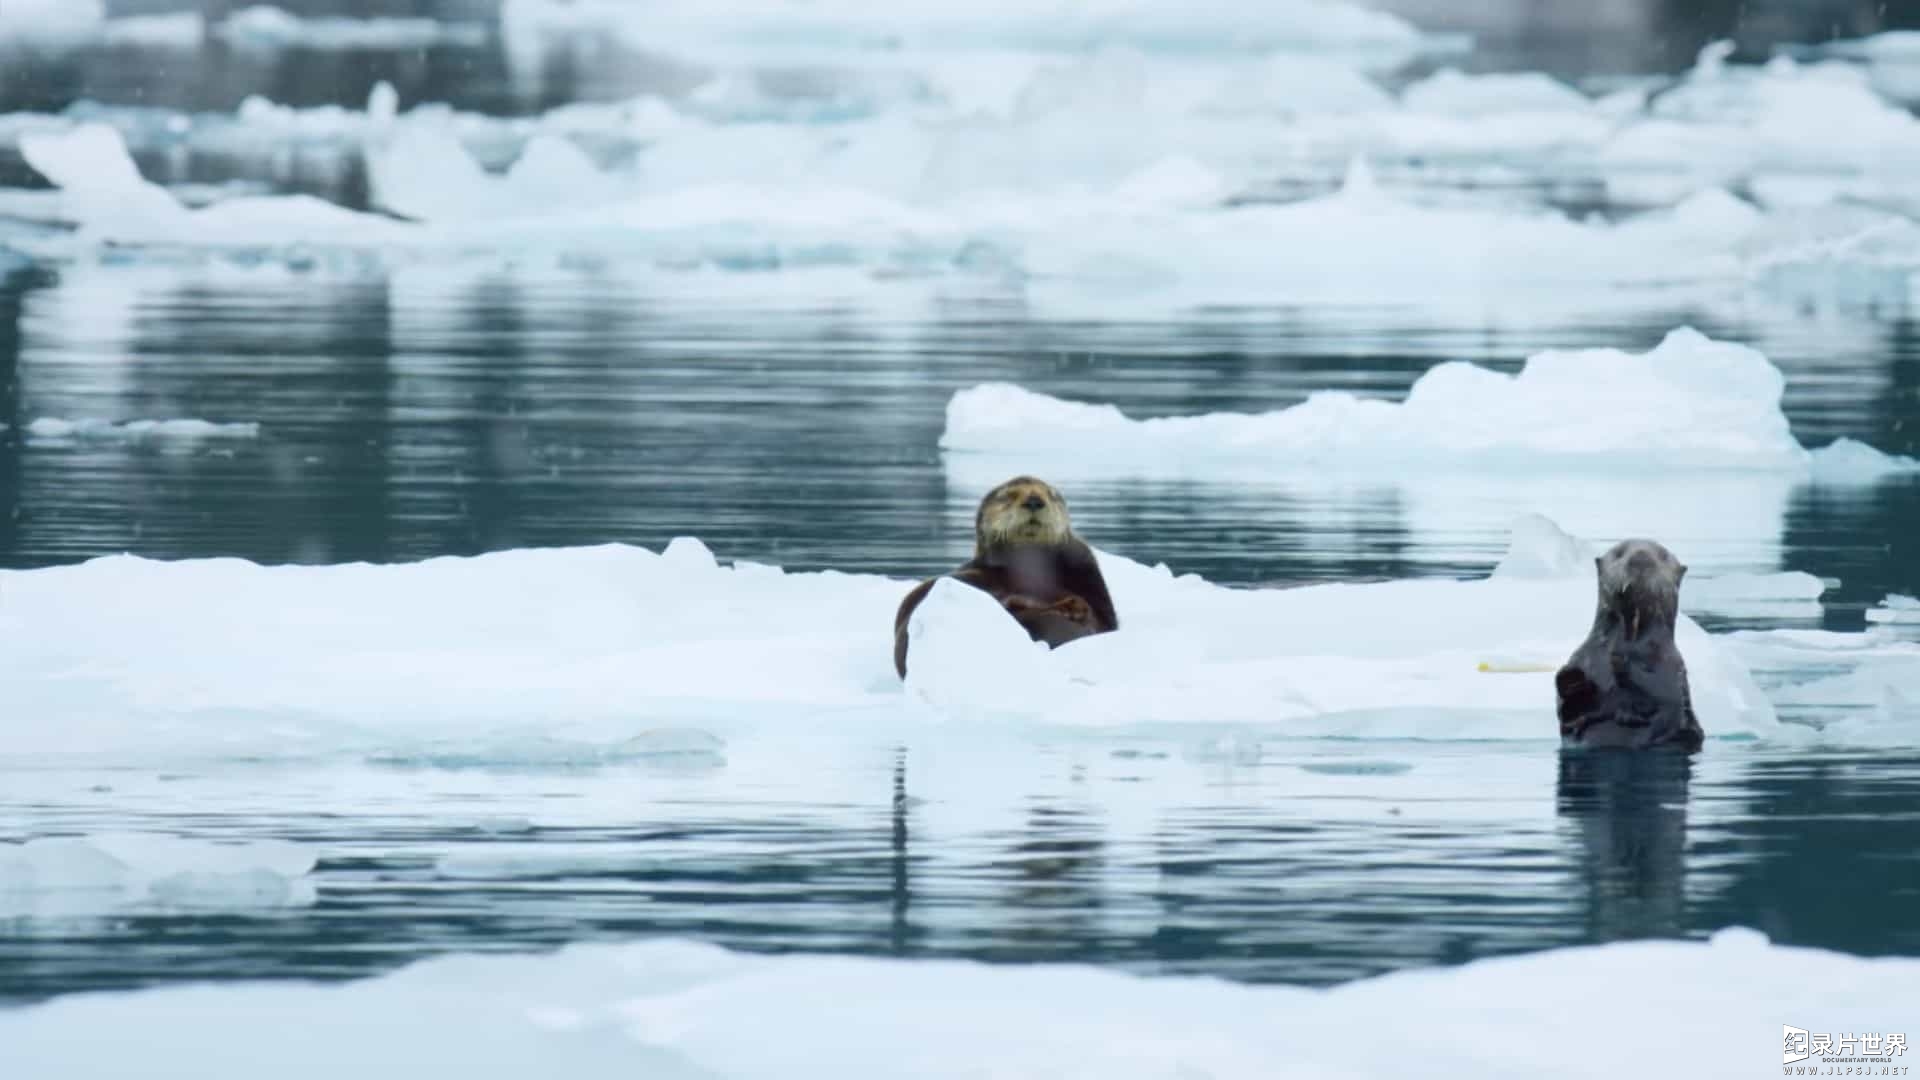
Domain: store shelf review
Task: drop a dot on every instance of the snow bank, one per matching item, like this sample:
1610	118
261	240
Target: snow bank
52	429
142	873
594	648
677	1010
1689	404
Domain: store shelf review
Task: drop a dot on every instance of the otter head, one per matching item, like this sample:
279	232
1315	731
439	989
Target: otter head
1640	584
1022	512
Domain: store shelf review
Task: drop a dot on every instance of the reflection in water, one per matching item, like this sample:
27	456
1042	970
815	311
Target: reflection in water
1630	812
1309	863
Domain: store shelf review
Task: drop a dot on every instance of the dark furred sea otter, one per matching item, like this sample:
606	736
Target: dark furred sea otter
1026	556
1626	685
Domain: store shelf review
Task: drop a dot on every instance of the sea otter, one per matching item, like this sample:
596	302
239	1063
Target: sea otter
1626	685
1026	556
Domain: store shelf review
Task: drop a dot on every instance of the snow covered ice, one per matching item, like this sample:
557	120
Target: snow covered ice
673	1009
124	656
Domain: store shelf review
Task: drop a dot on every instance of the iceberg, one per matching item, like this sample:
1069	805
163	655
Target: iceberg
672	1009
126	656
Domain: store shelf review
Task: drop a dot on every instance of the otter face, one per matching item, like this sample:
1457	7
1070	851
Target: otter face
1019	512
1641	574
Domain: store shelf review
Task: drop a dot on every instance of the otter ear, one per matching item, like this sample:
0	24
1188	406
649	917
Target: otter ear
1599	561
1680	574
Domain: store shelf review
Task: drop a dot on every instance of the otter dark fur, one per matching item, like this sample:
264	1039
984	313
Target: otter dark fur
1626	685
1026	556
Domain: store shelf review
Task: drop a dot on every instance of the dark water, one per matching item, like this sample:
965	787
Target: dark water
423	412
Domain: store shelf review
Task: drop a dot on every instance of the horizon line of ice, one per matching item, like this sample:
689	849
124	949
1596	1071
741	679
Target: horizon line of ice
671	1008
1688	404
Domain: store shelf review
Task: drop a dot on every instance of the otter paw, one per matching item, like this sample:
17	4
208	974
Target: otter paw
1073	608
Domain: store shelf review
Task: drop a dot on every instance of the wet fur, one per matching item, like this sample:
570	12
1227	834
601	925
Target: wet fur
1026	556
1626	685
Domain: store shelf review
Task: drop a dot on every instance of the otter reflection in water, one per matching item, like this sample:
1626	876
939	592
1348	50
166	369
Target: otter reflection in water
1629	811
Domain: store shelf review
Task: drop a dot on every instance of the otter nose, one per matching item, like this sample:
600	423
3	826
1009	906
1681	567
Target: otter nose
1034	502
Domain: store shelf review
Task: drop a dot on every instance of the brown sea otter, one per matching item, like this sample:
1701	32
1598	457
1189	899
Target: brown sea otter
1626	685
1026	556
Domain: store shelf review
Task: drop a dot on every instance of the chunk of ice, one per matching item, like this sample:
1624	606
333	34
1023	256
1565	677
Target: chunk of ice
52	429
123	873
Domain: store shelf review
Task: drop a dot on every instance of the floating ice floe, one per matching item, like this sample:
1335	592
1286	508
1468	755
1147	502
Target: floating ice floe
1861	689
122	655
143	873
1891	58
1794	594
266	26
1690	404
1896	608
77	23
778	27
104	192
1726	124
52	429
1686	442
678	1010
50	23
1095	185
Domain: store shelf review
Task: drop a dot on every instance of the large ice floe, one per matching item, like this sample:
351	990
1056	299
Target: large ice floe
1686	441
617	648
675	1010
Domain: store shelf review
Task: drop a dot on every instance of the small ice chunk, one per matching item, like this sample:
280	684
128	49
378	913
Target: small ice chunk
1896	608
1539	548
108	873
1454	93
1849	461
1793	594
